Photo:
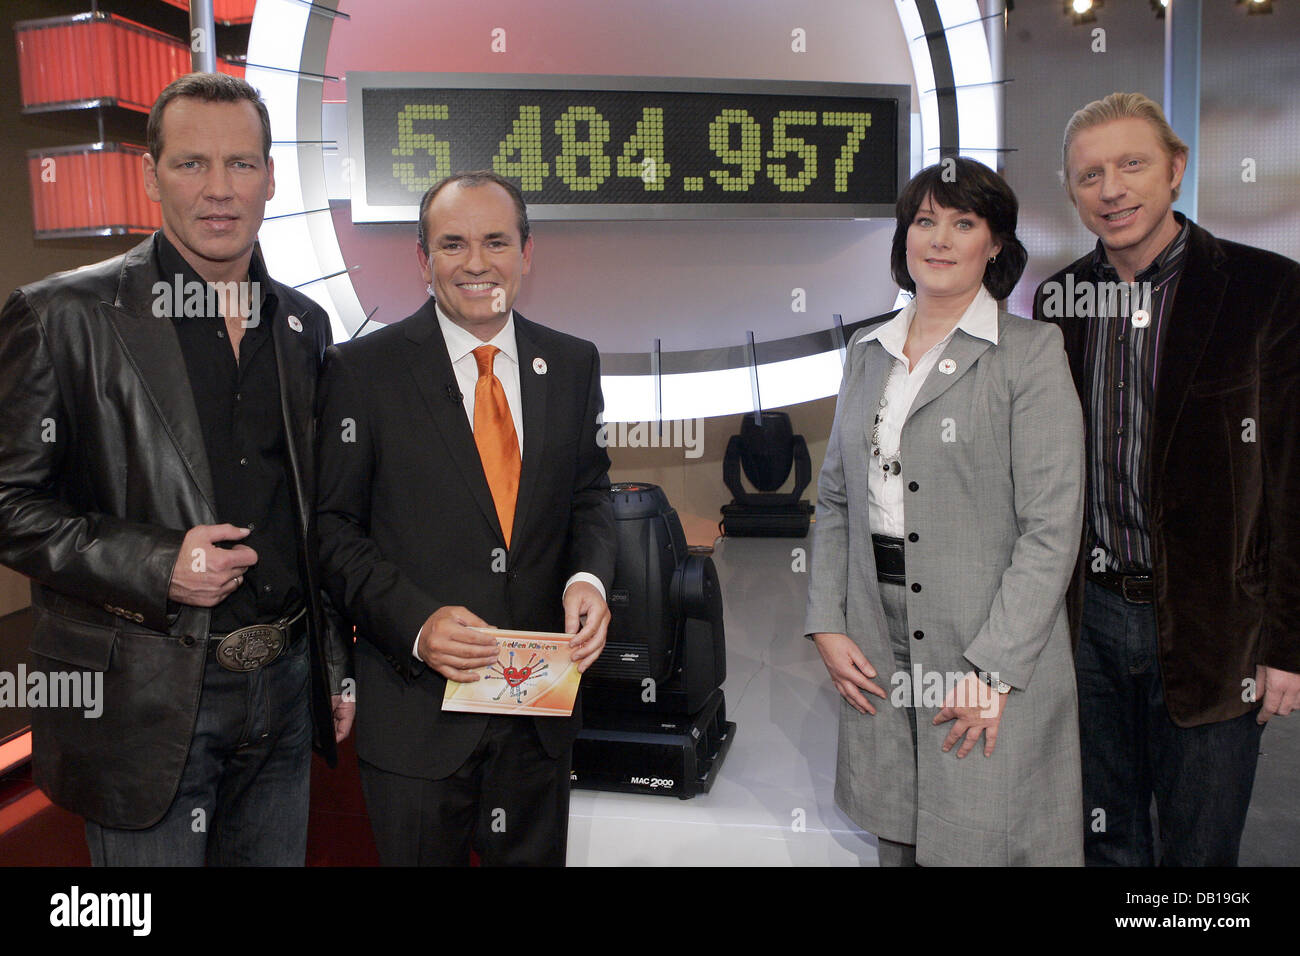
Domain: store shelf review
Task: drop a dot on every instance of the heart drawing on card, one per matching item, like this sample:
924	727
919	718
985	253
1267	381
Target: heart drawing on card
517	675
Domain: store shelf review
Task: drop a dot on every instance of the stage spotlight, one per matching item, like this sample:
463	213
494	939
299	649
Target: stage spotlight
654	715
1082	11
766	450
1257	6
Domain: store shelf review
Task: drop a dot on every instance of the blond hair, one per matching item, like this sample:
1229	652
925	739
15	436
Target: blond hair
1119	106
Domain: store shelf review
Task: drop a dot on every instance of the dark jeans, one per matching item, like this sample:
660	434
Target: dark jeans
242	799
1201	777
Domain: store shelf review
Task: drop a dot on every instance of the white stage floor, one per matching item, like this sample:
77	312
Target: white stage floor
771	804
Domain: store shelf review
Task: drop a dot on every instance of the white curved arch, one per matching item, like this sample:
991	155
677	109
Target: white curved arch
299	251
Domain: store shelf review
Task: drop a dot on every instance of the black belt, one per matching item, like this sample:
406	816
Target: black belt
1134	588
889	559
257	645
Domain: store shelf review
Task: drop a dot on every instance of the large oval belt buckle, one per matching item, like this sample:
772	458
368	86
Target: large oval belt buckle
251	647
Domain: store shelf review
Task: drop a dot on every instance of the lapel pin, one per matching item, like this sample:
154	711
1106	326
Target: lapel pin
294	323
947	366
1141	319
539	365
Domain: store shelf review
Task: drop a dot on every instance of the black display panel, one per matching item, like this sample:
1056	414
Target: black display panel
583	153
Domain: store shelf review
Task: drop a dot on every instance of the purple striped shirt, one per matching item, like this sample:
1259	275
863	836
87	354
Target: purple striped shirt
1124	347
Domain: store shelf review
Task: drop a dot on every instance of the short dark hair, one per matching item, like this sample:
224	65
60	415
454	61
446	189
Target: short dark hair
967	186
209	88
469	180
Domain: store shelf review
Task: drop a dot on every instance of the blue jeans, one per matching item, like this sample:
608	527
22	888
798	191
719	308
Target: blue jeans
243	795
1201	777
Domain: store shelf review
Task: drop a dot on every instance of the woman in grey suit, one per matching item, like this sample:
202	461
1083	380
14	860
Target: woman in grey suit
948	519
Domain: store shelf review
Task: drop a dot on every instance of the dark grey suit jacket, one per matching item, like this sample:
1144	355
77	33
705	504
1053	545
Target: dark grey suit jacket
408	524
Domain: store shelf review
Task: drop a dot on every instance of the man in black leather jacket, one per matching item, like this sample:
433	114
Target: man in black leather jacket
156	485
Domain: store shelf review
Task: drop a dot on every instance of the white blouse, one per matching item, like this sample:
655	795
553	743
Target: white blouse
885	491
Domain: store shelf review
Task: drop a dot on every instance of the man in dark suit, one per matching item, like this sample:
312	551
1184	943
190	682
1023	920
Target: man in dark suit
154	409
462	485
1184	349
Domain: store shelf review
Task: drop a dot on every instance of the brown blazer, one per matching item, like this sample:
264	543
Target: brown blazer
1224	490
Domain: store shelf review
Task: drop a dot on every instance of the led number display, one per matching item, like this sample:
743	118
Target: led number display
745	150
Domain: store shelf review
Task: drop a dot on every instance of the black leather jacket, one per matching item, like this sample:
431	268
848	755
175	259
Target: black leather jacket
102	471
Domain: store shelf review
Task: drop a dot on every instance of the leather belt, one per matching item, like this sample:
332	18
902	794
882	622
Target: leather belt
889	559
257	645
1134	588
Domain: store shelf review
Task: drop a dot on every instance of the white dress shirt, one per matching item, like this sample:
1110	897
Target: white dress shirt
885	492
505	365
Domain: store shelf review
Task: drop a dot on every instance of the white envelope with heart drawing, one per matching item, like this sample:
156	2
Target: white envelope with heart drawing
532	676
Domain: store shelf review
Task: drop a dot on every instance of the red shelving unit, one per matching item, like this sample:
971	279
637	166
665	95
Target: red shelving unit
90	190
98	59
225	12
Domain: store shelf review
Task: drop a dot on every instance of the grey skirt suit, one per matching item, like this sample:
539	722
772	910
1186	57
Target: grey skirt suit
992	459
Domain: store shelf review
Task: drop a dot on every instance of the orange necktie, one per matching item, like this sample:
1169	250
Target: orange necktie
494	433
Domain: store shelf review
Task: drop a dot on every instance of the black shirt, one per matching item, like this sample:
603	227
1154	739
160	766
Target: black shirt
243	432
